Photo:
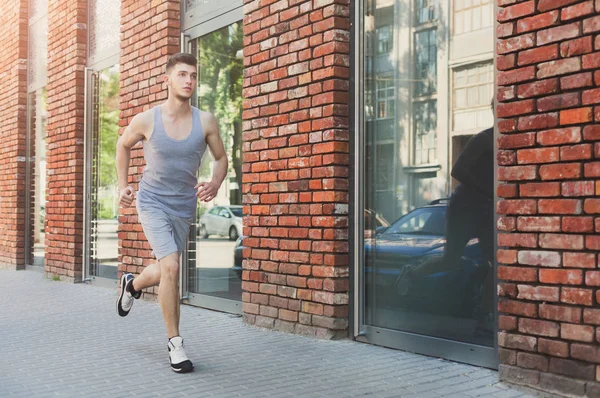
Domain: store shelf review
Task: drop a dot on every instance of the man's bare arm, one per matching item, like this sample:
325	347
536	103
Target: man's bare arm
134	133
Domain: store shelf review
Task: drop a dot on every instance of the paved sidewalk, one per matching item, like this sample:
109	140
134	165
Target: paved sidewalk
60	339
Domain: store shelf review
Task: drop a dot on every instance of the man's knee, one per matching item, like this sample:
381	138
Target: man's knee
169	267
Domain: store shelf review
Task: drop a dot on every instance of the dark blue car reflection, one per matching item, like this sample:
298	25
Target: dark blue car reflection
414	238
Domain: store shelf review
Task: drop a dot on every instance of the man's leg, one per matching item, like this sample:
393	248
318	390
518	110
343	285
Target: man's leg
168	292
168	295
149	277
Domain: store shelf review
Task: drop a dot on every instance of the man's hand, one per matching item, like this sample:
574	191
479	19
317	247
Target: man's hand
126	196
206	191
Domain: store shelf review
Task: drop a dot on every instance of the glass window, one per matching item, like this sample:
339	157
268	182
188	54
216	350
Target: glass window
237	211
105	25
214	258
38	53
470	16
425	124
384	39
386	97
224	213
37	115
426	11
426	271
423	221
426	62
473	92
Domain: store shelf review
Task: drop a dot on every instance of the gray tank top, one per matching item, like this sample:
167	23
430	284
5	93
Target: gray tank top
171	168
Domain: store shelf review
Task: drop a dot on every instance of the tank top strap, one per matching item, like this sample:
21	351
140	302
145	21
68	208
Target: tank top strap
195	120
158	124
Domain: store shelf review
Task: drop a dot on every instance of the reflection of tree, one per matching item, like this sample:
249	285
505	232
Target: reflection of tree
220	89
109	119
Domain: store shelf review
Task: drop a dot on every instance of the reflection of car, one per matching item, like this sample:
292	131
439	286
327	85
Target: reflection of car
221	220
412	239
237	257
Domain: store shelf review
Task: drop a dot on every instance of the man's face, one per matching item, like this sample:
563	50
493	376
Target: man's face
182	81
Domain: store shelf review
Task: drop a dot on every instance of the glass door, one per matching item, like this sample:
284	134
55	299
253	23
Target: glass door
101	207
214	255
424	250
36	175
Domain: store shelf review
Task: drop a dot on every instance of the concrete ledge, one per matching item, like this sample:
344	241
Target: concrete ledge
549	384
12	267
294	328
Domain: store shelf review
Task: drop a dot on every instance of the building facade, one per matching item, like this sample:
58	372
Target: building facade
342	122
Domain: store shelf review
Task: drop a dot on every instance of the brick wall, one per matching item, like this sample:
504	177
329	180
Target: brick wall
549	104
13	105
67	37
150	33
295	165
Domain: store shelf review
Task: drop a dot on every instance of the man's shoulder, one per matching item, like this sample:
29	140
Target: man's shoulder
208	121
486	135
143	122
489	132
204	114
146	116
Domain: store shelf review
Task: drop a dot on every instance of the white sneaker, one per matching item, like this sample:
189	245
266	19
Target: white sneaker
126	299
179	361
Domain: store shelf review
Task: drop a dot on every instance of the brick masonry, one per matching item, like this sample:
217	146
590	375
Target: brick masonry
548	60
13	107
67	56
149	35
295	164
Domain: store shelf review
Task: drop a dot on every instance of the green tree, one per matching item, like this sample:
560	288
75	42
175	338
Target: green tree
109	134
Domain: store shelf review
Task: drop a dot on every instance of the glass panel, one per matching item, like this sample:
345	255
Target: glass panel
472	15
37	8
37	156
426	62
38	52
473	88
104	176
428	264
105	25
425	117
215	255
425	11
384	40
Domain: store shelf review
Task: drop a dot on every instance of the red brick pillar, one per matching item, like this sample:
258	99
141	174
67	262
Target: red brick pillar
295	164
67	53
144	55
549	101
13	109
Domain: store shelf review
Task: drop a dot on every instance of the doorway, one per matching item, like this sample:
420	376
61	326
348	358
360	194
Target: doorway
36	175
101	189
213	269
417	286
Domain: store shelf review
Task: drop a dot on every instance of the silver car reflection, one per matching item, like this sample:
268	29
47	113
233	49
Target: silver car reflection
223	221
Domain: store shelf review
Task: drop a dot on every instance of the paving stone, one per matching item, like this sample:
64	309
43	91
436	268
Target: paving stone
66	340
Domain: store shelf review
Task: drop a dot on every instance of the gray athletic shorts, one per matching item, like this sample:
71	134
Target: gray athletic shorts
165	232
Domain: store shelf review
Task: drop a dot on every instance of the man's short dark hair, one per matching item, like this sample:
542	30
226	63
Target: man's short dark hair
181	58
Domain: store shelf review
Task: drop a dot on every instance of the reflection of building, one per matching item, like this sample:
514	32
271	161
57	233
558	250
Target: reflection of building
428	89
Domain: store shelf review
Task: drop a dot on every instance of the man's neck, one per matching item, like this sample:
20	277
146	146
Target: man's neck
176	108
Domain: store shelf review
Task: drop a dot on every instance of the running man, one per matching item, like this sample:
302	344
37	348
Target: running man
174	136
